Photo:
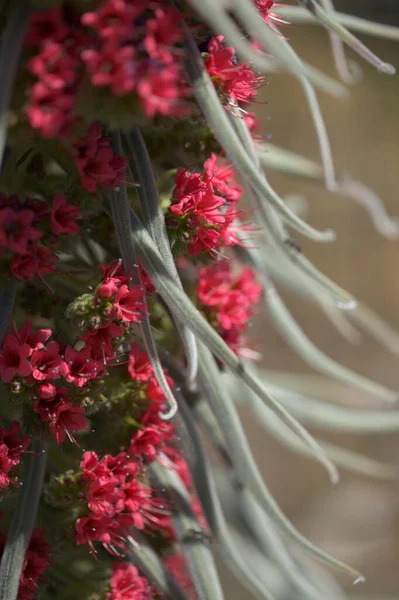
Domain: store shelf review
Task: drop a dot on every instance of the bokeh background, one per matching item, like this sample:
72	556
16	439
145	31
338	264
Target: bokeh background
357	521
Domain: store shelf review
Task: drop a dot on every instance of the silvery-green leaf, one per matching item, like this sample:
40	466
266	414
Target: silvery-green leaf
346	459
296	14
7	297
212	508
190	535
23	521
332	24
154	220
240	454
345	70
120	211
144	557
10	49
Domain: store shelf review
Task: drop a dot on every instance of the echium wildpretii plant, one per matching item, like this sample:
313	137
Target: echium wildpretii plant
128	280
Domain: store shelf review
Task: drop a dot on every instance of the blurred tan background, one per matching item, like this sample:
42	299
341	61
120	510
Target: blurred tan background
358	521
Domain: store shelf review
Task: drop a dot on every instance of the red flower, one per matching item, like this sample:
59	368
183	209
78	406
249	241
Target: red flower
222	179
35	339
112	66
231	296
140	503
96	161
46	25
232	80
81	367
63	217
35	262
234	311
16	230
121	466
14	359
106	498
129	304
14	442
101	340
96	528
139	366
162	91
126	584
5	467
265	7
46	390
50	111
11	448
147	441
114	18
161	33
93	467
62	416
47	362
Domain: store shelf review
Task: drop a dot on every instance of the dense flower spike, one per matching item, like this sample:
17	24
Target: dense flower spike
112	145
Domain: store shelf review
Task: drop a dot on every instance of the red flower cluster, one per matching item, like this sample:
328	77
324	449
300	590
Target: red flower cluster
96	162
233	81
228	297
116	499
141	371
114	307
134	50
203	207
126	584
59	40
36	561
127	46
11	448
51	373
22	225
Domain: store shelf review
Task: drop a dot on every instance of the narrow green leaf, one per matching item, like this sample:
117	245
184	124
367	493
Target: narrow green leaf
241	456
310	354
323	415
346	459
7	297
154	220
352	41
120	211
22	522
279	236
10	50
264	531
347	72
148	562
210	502
296	14
278	46
280	159
190	535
